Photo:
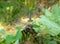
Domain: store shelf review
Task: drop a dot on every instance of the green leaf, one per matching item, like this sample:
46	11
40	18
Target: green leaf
9	38
53	28
52	42
19	34
16	42
37	28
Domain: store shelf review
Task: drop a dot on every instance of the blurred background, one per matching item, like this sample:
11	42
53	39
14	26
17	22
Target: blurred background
15	15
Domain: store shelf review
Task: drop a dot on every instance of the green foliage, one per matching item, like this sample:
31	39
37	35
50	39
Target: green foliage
11	11
7	38
10	38
18	34
51	42
51	21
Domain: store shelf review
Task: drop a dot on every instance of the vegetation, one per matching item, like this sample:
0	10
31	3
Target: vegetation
44	30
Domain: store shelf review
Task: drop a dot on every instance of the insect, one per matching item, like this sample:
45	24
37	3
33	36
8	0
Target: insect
28	31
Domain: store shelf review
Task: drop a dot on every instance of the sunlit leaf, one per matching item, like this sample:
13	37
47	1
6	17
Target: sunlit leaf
16	42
